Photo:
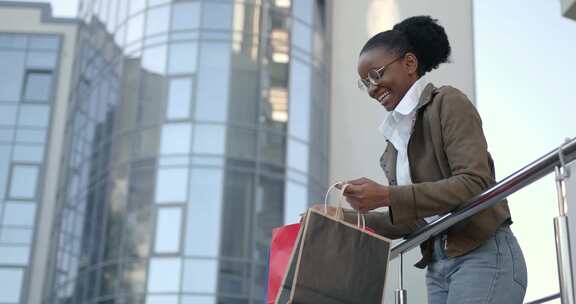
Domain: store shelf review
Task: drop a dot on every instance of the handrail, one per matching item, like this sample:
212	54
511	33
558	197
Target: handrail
545	299
494	195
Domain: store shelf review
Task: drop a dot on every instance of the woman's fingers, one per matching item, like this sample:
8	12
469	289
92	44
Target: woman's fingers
353	190
358	181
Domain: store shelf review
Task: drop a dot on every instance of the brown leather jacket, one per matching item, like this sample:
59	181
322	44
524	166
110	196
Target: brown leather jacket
449	165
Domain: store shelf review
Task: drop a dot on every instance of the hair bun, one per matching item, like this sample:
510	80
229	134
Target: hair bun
428	40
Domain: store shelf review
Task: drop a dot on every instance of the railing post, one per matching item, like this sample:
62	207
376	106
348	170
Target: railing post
401	293
562	238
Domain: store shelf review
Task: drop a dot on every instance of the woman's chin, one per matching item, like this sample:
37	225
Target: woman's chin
389	106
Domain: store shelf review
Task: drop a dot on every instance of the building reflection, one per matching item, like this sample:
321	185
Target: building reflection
195	128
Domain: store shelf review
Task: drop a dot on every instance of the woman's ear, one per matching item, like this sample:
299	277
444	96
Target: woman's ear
411	63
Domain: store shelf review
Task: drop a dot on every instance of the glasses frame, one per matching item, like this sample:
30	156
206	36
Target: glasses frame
375	75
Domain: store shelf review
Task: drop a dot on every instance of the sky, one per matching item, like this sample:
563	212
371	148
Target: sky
525	83
526	94
60	8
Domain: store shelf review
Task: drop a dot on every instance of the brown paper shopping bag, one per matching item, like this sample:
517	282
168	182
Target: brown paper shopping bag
335	262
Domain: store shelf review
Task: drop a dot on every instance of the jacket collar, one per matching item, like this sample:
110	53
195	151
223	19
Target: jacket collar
411	99
426	96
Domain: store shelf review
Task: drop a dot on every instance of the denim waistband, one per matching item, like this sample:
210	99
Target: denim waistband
439	244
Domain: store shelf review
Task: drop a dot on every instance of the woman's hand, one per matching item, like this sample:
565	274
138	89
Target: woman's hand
364	194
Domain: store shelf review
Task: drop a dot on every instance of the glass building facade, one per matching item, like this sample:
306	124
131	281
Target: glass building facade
28	65
195	127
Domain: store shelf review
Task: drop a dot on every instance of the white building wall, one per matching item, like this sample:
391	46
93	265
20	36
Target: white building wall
356	145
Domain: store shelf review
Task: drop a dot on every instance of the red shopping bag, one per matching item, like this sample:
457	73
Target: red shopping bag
283	241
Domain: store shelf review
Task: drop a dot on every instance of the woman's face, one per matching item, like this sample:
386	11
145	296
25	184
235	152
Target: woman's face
395	79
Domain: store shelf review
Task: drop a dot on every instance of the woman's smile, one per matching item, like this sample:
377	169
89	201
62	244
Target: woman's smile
384	99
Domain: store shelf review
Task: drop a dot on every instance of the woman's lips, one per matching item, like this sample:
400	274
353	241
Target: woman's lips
384	98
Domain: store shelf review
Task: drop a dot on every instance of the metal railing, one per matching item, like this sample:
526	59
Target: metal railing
545	299
554	160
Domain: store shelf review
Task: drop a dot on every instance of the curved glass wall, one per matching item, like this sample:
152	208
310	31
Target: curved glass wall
196	127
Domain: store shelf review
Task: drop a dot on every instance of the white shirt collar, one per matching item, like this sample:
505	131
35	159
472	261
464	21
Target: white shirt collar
410	100
405	107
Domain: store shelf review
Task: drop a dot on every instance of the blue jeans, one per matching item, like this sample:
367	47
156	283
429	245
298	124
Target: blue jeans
493	273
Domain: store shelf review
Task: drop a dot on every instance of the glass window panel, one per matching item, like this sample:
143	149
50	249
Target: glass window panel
5	151
209	139
167	161
16	235
44	60
183	57
12	67
212	161
11	281
23	182
200	276
162	299
245	93
172	185
298	155
186	15
213	82
217	16
303	10
44	42
164	275
38	86
31	136
34	116
122	11
157	21
134	49
241	143
302	36
181	36
19	214
179	98
295	202
297	176
204	212
156	40
299	103
8	114
168	227
14	255
176	138
154	59
12	41
137	5
157	2
135	28
198	300
28	153
120	36
6	135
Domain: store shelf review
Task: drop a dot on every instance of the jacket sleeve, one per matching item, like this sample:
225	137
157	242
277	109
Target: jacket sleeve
465	148
380	222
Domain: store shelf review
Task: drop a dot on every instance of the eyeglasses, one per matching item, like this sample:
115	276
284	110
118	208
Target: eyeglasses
374	76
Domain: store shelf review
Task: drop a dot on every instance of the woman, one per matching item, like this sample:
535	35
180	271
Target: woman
436	160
